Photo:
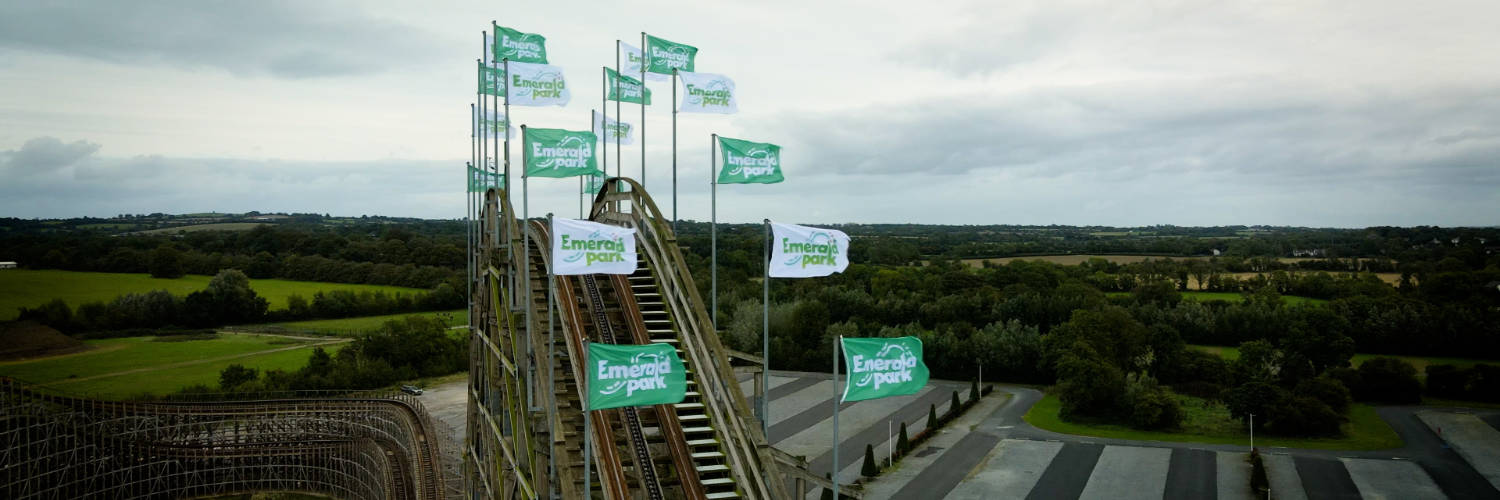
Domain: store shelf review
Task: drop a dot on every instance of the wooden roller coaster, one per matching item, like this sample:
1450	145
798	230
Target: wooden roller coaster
364	446
526	426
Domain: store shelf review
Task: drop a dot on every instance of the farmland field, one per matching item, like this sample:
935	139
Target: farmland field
455	317
1418	362
222	226
1233	297
118	368
30	288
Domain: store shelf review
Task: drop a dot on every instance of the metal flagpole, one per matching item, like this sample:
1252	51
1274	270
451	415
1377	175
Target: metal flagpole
604	140
838	395
619	159
469	212
551	369
765	338
713	227
674	149
645	60
526	256
604	111
588	433
507	221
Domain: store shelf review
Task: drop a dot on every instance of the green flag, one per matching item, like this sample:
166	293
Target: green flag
883	367
634	375
479	180
518	46
748	162
592	183
630	88
663	56
554	152
492	80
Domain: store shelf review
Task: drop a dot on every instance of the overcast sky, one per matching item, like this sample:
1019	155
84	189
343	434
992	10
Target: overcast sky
1190	113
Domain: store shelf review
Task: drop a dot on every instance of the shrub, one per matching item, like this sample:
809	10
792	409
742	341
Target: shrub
1149	406
1304	416
869	469
1388	380
903	445
932	420
1328	390
1448	381
973	391
954	407
1259	483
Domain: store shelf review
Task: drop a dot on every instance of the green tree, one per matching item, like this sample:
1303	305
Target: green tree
234	375
869	469
903	445
166	262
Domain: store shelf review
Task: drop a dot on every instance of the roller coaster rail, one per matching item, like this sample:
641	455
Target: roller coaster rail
352	445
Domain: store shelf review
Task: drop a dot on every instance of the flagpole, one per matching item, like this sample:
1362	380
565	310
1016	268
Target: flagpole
674	148
469	213
604	141
603	111
645	60
836	401
713	226
765	338
619	159
588	433
509	252
526	256
551	370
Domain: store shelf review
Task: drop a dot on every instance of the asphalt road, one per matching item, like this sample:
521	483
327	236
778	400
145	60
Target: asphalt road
1069	472
1325	478
1193	474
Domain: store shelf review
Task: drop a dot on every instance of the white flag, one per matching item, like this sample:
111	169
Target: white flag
491	126
607	132
631	59
805	252
707	93
583	247
536	85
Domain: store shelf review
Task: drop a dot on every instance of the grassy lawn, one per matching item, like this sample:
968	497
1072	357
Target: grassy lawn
221	226
169	380
1418	362
30	288
1212	424
455	317
132	353
1291	300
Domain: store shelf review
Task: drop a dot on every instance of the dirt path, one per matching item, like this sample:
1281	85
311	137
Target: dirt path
197	361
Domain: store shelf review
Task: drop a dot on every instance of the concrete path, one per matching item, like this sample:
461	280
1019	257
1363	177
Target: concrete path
1234	472
1286	483
1391	479
1129	472
1010	471
1471	437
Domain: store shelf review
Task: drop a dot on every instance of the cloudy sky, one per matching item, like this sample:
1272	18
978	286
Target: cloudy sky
1190	113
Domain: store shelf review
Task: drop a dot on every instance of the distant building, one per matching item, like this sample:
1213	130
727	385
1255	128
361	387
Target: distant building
1312	252
7	265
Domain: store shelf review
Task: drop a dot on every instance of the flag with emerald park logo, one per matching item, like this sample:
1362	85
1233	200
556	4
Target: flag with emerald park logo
518	46
883	367
584	247
748	162
707	93
551	152
536	85
807	252
491	80
663	56
630	89
634	375
480	179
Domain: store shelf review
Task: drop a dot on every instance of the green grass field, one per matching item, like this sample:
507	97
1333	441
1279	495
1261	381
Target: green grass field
1418	362
159	363
1212	424
455	317
30	288
1233	297
222	226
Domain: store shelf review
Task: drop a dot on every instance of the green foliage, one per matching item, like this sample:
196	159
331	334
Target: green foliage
932	419
1150	406
1388	380
166	262
973	391
903	445
1259	483
1088	385
227	300
869	469
235	375
955	406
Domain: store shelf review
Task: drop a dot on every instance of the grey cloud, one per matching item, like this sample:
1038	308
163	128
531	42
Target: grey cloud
145	184
1136	133
45	154
282	39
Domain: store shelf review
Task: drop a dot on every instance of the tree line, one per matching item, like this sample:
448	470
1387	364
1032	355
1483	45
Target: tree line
227	300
